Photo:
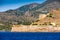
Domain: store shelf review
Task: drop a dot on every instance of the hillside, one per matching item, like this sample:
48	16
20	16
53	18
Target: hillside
46	23
29	13
52	18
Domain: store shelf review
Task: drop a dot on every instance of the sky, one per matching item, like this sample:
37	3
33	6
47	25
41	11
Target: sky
13	4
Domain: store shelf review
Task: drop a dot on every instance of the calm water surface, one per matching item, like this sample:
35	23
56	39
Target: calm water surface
29	36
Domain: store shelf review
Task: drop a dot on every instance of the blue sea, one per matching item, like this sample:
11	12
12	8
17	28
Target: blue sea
29	36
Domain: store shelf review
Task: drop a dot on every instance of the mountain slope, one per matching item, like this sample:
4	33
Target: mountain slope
48	5
32	8
29	12
52	18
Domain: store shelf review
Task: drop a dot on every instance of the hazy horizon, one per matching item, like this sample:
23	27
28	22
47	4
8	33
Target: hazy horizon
13	4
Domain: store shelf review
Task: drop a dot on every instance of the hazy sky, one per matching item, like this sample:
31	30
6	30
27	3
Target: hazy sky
13	4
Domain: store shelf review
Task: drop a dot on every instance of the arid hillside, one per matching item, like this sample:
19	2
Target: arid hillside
46	23
52	17
46	13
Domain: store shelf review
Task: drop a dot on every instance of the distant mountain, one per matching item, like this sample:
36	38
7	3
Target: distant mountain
48	5
30	12
45	6
27	7
23	9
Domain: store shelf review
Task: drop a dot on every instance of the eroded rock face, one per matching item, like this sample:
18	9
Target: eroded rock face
41	16
34	28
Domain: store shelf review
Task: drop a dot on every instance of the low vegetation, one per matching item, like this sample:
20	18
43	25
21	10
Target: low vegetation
6	26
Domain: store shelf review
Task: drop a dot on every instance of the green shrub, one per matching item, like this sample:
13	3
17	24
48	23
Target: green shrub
6	27
37	20
34	24
26	23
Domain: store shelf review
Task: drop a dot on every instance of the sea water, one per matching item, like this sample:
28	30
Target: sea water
29	36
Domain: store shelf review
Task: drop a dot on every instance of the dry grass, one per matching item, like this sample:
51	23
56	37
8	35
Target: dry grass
41	28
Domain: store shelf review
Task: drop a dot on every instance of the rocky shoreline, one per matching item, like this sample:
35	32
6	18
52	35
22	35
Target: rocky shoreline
34	28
